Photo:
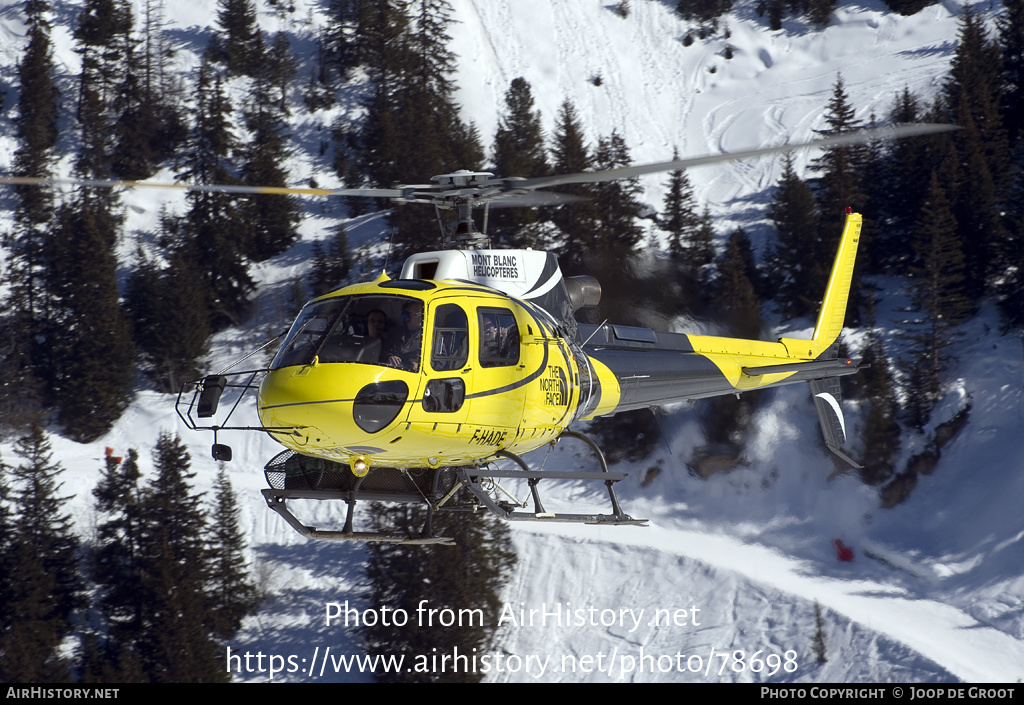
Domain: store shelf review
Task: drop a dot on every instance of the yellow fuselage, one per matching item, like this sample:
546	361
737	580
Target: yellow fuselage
453	405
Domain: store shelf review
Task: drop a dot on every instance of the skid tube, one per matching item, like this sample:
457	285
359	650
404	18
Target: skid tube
472	478
277	500
326	480
312	478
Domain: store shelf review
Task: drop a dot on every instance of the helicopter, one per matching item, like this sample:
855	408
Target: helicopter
431	387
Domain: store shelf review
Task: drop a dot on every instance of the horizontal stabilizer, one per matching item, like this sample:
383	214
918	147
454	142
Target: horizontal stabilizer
825	368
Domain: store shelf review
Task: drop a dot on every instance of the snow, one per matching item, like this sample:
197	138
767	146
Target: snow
935	592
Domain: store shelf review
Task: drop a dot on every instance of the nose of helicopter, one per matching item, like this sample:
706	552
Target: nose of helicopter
337	409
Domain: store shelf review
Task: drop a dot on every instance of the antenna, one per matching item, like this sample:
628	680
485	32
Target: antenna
391	239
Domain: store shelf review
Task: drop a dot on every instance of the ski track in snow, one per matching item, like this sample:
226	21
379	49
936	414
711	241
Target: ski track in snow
935	592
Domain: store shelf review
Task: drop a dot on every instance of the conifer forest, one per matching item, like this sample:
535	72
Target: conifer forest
92	314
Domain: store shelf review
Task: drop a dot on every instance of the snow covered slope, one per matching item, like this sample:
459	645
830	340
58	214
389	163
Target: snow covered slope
733	563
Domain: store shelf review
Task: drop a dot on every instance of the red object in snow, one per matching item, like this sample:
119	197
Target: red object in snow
843	552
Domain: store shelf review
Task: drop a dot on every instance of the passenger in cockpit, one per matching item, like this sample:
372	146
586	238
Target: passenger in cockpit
376	325
404	352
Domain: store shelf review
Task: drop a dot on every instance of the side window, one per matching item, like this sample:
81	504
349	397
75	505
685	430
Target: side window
450	347
444	395
499	337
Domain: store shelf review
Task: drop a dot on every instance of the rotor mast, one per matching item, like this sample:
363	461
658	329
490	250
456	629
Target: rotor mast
463	191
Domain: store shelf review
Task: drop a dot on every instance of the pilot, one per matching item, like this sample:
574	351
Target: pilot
404	352
376	323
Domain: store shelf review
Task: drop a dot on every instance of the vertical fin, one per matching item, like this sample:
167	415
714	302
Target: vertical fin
837	294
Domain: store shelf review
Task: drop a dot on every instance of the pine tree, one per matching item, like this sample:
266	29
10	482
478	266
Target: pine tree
91	342
1011	45
232	596
908	7
1011	252
44	558
703	10
818	644
840	185
160	85
144	110
796	263
340	39
679	216
576	221
214	237
880	433
738	309
432	130
380	30
7	535
104	28
22	322
171	323
898	189
776	11
117	558
518	152
269	220
469	575
176	645
239	45
133	156
975	205
319	91
519	140
973	88
379	145
29	646
603	237
617	202
980	151
820	11
702	249
331	267
432	62
939	300
36	124
412	131
91	352
735	297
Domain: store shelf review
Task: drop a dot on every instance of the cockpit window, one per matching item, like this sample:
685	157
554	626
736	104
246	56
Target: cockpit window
307	333
367	329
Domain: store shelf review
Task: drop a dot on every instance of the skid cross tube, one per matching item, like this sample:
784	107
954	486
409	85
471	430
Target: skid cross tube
474	476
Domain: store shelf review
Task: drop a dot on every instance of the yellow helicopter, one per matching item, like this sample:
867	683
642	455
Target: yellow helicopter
440	380
410	389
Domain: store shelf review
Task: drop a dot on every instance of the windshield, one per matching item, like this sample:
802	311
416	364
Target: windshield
374	330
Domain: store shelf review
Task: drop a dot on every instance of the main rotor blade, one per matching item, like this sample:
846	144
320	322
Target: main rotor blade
628	172
208	188
532	199
429	193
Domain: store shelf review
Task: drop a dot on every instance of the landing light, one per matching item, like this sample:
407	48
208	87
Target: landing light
360	467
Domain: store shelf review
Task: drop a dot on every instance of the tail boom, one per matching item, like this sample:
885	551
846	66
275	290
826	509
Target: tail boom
639	368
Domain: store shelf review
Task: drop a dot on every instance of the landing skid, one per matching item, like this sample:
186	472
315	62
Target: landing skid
295	476
475	480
